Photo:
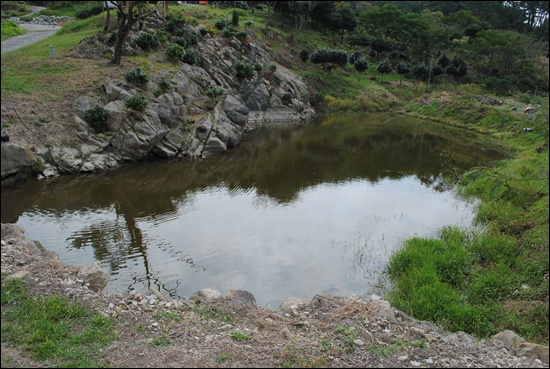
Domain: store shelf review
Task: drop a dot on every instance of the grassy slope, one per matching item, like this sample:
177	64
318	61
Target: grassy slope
488	282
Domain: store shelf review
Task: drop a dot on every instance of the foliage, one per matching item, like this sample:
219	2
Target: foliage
384	67
136	102
175	51
136	76
190	57
213	92
97	118
13	9
361	64
89	11
11	29
244	70
235	18
147	41
286	98
52	328
329	59
164	84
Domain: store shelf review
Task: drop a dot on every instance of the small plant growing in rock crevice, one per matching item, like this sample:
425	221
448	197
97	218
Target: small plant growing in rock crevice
136	76
286	98
136	102
97	118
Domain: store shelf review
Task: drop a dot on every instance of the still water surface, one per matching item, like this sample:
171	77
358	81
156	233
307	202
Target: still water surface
295	210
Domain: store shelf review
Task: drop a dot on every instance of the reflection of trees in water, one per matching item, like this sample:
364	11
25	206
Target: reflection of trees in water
113	242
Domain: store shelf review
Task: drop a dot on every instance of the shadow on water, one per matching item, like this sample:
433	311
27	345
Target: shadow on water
115	214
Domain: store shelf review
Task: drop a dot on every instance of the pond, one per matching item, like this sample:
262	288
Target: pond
294	210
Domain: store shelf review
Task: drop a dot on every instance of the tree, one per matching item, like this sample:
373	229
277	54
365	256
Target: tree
300	10
108	18
384	67
361	65
129	13
401	69
329	59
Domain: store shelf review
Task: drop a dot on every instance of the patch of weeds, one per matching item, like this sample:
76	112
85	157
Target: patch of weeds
223	357
348	335
141	329
52	328
325	344
240	336
210	311
295	357
160	341
169	315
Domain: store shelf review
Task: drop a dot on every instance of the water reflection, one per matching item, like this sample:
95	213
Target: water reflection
294	210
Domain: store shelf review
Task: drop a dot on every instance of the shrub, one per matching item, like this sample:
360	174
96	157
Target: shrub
304	55
175	24
136	102
241	35
214	92
420	72
355	56
190	35
329	59
175	51
220	24
182	41
258	68
161	35
89	12
147	41
136	76
272	67
164	84
286	98
384	67
190	57
203	31
244	70
361	64
97	118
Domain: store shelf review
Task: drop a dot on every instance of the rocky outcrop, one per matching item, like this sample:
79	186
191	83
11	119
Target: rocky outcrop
183	120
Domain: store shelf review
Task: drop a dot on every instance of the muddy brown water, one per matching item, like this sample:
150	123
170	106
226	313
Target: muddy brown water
295	210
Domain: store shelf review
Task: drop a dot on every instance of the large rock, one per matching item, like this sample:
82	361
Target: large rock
94	276
16	158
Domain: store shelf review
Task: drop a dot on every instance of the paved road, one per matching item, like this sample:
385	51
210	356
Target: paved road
35	33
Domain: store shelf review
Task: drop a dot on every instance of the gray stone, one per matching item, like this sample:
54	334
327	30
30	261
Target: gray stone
243	297
15	158
207	294
95	276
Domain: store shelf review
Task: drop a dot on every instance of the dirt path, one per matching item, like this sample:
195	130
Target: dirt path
35	33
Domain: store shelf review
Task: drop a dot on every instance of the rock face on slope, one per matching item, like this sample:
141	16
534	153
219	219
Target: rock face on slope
207	108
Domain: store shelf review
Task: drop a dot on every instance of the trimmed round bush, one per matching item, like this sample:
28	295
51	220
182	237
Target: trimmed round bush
175	51
97	118
136	76
147	41
136	102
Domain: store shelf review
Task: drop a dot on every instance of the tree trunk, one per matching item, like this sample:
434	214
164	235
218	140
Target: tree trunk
121	37
108	19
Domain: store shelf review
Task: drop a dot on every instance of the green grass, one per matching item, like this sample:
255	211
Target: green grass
493	279
10	29
53	329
